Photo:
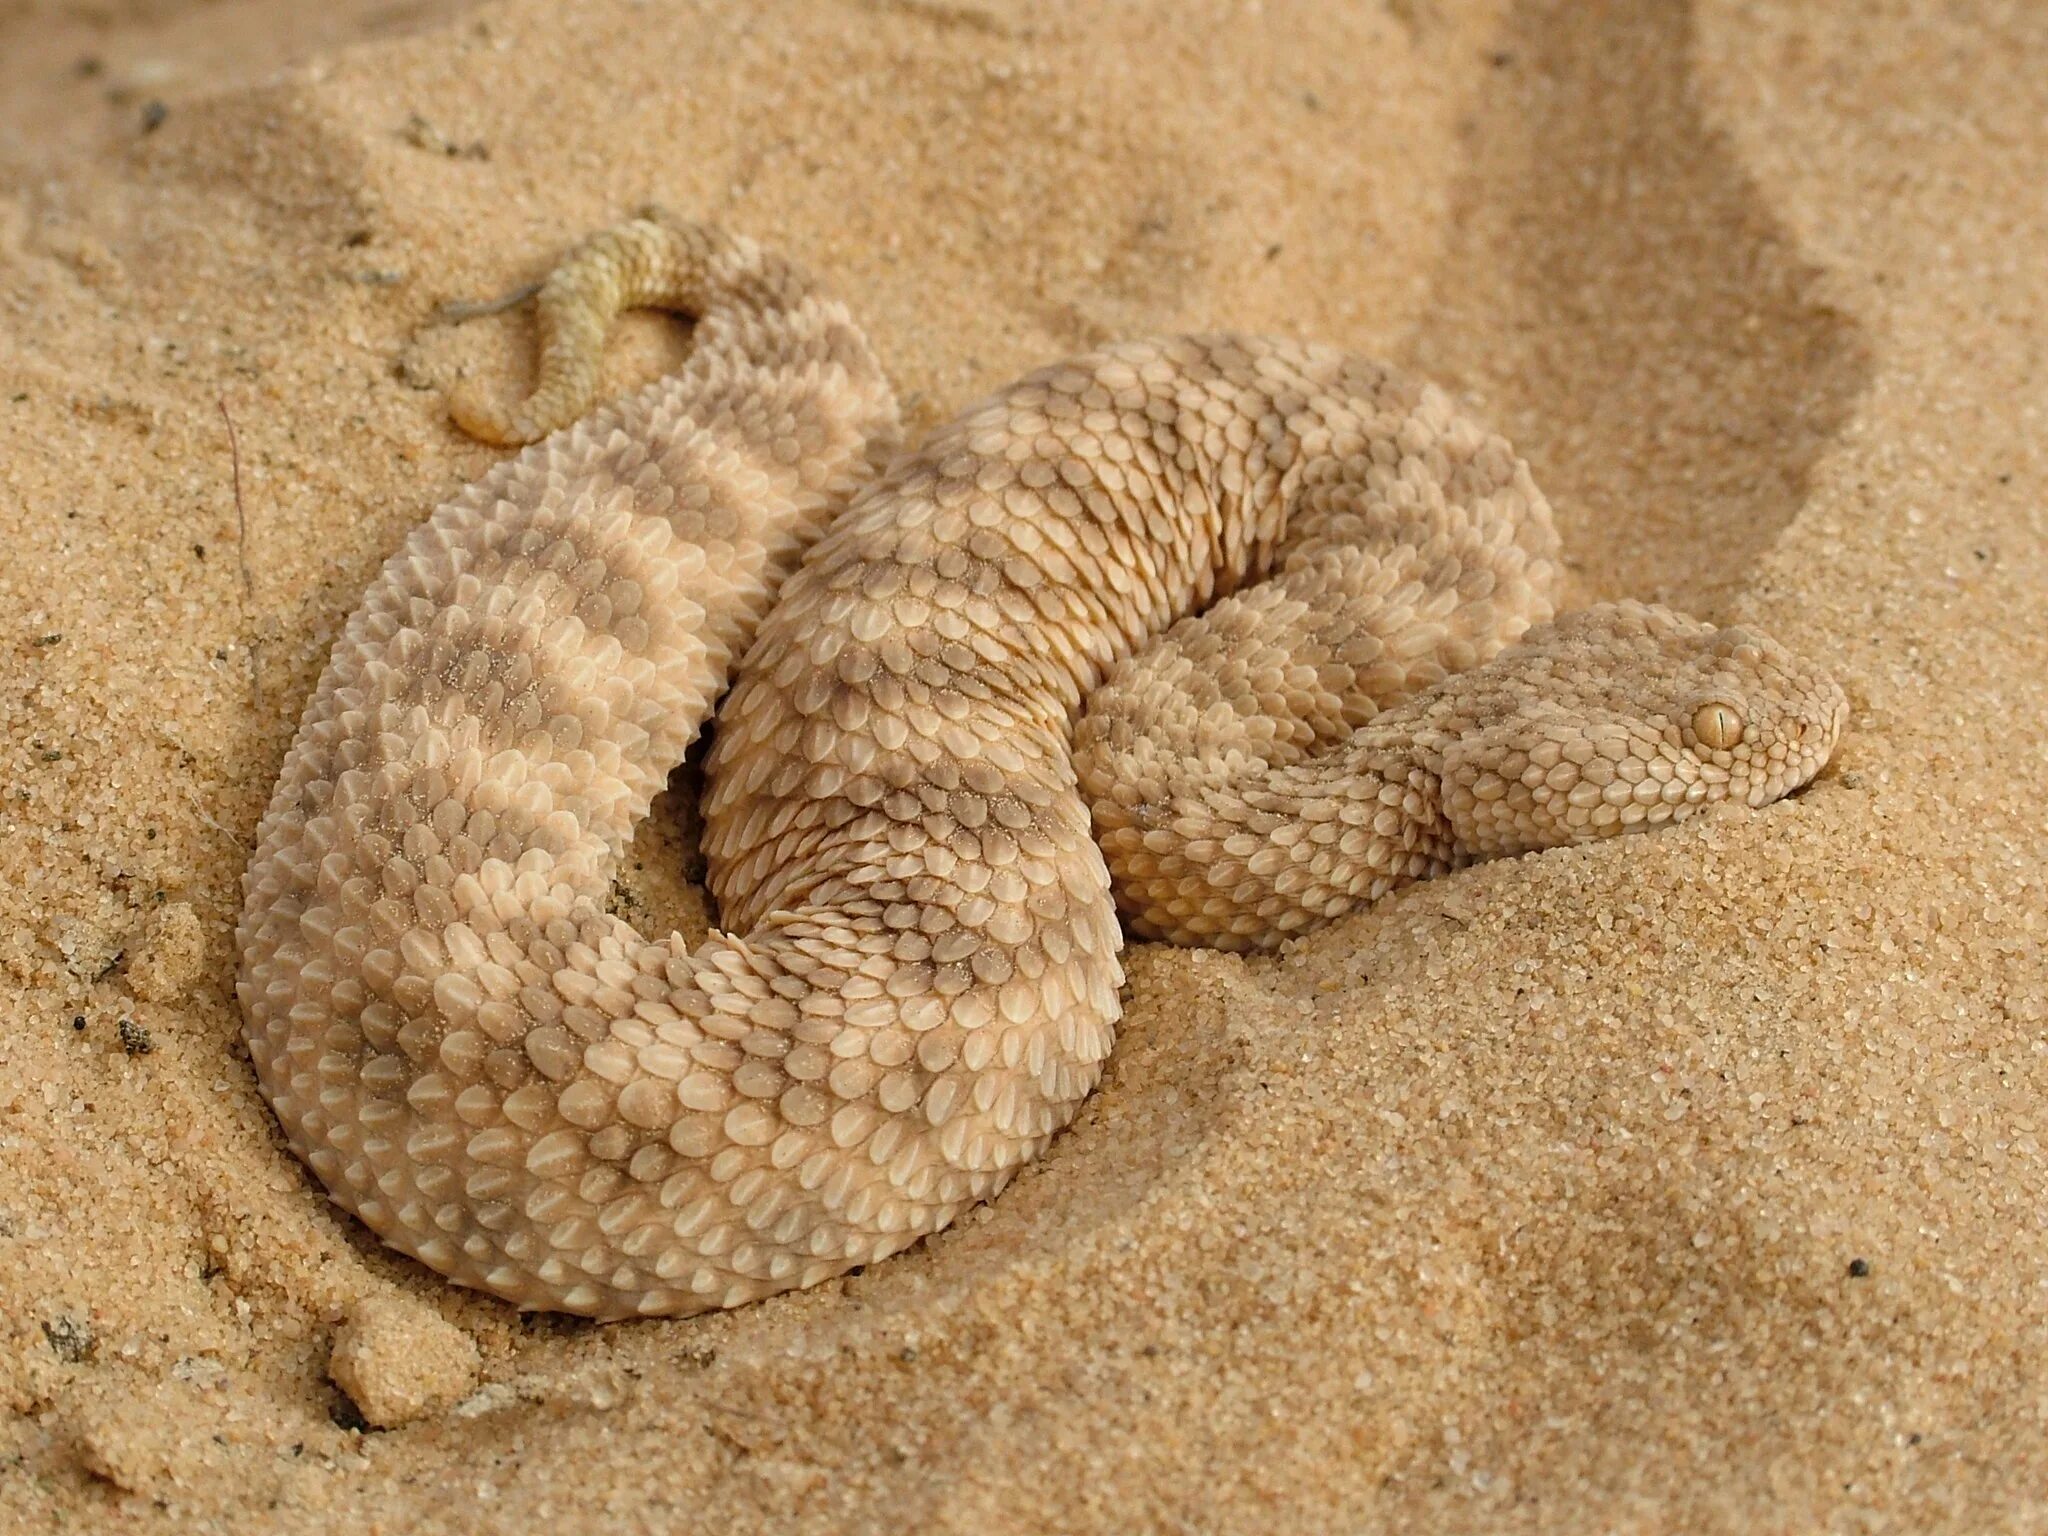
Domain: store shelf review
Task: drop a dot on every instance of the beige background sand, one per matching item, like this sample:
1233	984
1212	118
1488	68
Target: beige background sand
1526	1202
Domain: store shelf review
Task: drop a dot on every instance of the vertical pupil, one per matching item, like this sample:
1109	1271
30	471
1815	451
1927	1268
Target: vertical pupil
1718	726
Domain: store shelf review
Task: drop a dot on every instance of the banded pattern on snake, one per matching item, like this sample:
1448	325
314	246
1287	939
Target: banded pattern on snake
1302	600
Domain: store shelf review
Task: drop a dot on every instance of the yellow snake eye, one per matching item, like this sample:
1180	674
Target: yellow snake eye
1717	725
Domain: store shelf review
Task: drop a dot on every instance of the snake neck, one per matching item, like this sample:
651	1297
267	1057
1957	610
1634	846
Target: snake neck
1253	854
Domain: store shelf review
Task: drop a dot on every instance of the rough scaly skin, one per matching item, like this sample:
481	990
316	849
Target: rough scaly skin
1245	789
919	982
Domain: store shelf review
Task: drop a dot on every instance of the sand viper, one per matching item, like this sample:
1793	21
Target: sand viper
917	981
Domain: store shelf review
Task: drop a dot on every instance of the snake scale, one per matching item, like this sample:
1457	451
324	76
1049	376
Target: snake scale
1305	601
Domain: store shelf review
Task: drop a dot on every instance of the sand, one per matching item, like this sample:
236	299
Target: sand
1692	1181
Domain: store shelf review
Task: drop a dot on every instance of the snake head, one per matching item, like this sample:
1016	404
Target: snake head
1623	717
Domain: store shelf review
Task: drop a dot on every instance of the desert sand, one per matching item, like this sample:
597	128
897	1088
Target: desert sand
1686	1182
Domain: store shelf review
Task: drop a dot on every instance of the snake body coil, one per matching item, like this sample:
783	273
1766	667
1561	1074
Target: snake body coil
918	982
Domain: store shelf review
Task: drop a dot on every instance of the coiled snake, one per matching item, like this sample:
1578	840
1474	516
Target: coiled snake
918	979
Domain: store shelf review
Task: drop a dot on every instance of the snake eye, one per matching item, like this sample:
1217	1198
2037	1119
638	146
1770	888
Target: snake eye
1717	725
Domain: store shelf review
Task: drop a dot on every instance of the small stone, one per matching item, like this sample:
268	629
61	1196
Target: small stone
143	1435
422	134
90	949
399	1361
71	1338
170	955
1859	1269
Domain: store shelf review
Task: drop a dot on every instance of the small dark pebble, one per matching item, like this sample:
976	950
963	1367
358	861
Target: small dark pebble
1859	1269
78	1022
135	1039
153	115
422	134
199	550
71	1338
50	639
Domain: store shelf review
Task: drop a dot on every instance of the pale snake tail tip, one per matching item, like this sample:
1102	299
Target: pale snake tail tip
650	259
